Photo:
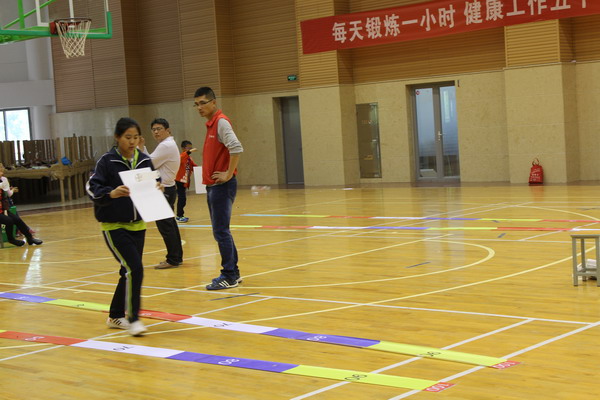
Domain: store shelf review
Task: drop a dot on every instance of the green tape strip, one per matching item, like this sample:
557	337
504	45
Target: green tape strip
431	352
361	377
85	305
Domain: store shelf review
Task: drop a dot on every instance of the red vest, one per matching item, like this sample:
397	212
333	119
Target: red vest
215	155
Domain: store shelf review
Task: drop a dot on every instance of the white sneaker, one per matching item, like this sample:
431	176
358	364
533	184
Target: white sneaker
136	328
118	323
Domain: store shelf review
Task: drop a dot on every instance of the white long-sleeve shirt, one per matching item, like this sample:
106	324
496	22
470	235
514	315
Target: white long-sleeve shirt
4	185
165	159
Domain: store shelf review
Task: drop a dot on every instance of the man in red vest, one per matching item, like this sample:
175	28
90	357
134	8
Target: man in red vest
220	158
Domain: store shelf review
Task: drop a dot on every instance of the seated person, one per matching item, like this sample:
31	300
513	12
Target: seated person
9	220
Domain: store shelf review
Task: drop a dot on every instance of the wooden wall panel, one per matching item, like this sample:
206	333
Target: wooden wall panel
264	42
108	60
367	5
73	78
73	81
565	37
200	64
159	36
460	53
320	69
533	43
225	48
133	53
586	37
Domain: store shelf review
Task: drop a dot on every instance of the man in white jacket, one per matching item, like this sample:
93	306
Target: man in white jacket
165	159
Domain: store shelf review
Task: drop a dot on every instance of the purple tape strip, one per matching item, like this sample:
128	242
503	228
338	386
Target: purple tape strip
285	333
314	337
26	297
233	362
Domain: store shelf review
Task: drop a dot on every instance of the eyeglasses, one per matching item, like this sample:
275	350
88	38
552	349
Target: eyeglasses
202	103
157	128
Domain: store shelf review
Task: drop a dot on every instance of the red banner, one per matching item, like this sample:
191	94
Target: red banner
431	19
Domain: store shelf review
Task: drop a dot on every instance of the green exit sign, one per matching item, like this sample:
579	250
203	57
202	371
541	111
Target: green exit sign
292	77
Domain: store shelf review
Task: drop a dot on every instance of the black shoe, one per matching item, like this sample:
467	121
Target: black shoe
16	242
222	283
33	240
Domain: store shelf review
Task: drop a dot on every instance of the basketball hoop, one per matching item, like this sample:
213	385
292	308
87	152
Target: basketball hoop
72	33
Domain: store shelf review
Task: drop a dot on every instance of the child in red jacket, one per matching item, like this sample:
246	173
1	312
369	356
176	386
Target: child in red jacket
183	177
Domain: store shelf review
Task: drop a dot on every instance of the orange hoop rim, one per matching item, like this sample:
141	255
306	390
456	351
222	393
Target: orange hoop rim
67	21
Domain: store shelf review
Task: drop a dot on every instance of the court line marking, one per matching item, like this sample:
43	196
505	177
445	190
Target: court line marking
368	304
490	255
516	353
344	375
497	205
337	302
72	261
416	295
120	334
413	359
96	275
305	264
349	341
410	296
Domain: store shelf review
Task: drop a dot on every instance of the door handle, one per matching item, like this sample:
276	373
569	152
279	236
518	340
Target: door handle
439	135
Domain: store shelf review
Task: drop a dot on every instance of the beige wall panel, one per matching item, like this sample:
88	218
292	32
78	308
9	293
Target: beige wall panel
199	53
569	82
481	124
265	45
586	35
588	104
466	52
536	122
349	135
482	136
98	123
160	51
321	119
254	124
395	133
533	43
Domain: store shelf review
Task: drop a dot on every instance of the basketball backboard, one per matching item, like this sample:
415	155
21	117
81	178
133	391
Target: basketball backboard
30	19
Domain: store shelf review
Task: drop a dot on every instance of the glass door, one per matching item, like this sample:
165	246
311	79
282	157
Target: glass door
436	132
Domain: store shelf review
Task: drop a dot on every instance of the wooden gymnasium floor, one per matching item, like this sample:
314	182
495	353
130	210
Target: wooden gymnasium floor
484	281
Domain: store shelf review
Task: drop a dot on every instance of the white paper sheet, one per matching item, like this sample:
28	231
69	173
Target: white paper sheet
147	198
200	188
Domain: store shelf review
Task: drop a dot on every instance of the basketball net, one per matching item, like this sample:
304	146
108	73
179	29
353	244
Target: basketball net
72	33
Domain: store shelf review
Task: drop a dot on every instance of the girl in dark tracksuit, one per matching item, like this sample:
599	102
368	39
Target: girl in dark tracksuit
123	229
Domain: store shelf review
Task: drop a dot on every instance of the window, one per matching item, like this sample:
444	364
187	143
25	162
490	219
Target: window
15	124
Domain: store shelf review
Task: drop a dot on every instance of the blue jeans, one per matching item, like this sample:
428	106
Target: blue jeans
220	200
